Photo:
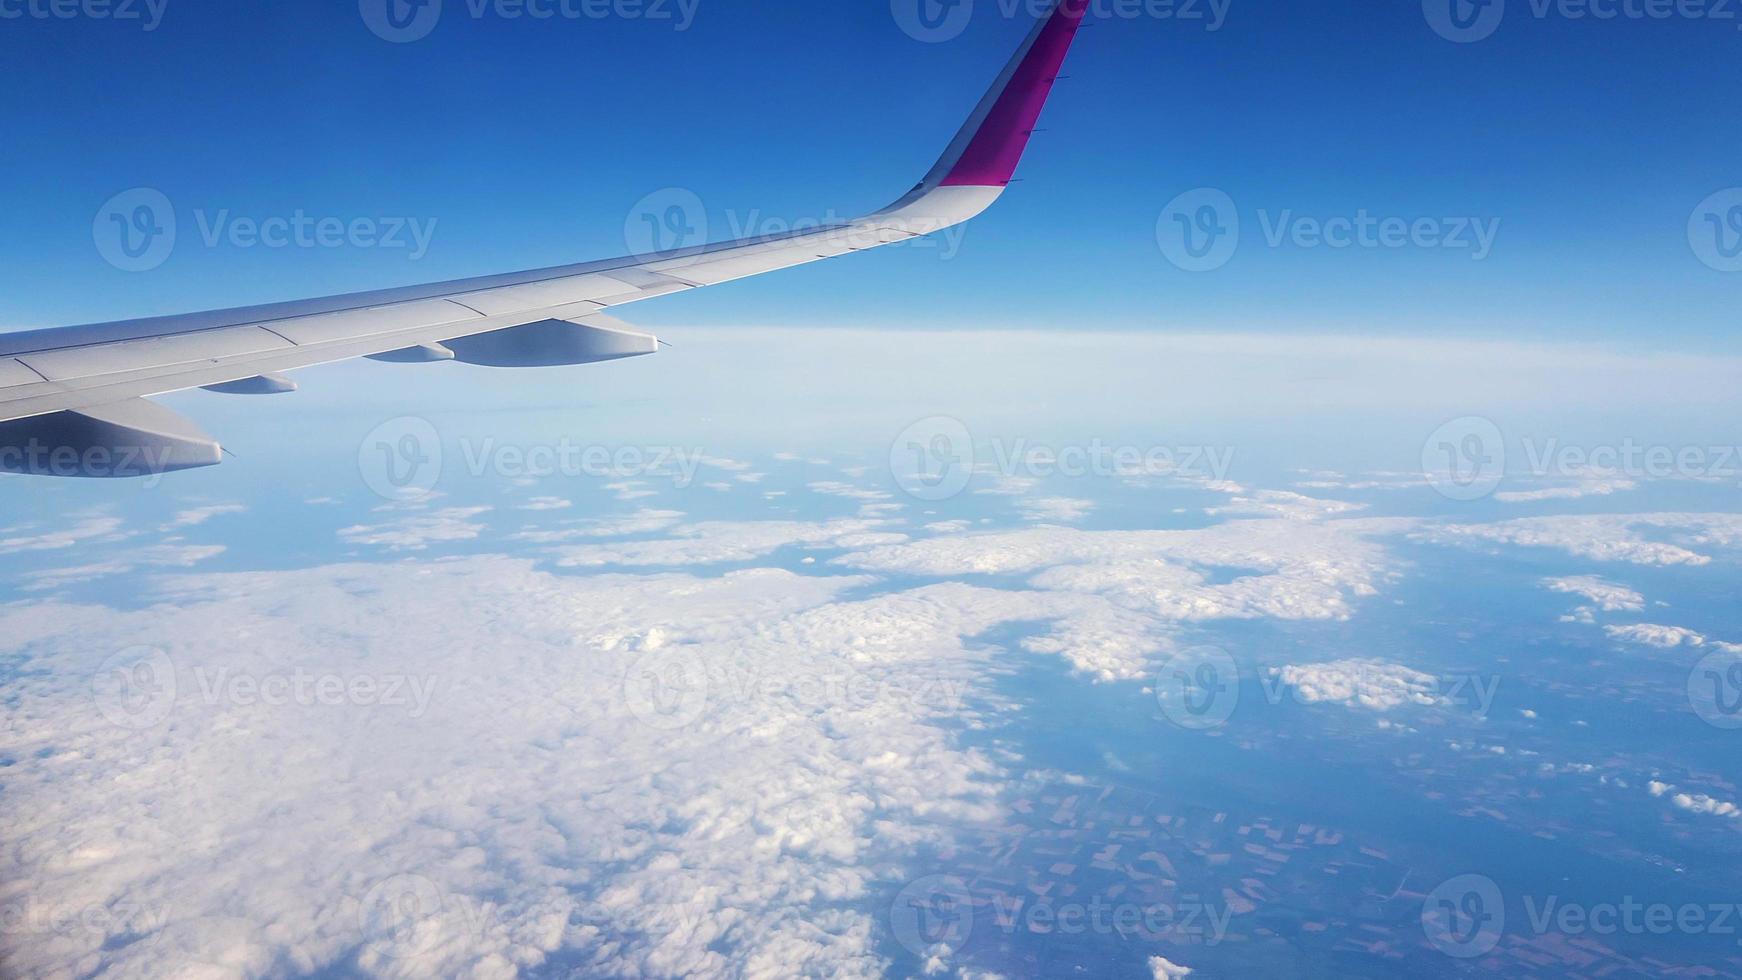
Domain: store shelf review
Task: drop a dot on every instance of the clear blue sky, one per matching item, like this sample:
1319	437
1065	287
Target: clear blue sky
529	142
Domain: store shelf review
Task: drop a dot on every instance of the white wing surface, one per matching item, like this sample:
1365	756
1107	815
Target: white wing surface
73	399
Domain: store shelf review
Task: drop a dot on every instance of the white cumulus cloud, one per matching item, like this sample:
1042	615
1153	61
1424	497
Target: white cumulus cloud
1371	684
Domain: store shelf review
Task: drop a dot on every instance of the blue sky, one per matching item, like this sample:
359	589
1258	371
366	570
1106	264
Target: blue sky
1585	144
536	808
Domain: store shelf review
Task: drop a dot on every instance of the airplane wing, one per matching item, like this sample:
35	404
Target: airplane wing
73	399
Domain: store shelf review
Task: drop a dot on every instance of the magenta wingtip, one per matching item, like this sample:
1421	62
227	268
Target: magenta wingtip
992	155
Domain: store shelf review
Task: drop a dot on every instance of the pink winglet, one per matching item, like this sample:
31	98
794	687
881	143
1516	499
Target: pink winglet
991	157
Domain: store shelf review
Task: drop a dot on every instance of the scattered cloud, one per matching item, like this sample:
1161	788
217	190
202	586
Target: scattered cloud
1376	480
718	542
1283	503
834	488
416	532
91	528
1371	684
1291	569
631	490
122	563
1573	483
1007	485
1587	488
1694	802
1603	595
1653	635
1701	803
1055	510
546	503
727	464
1606	537
199	515
640	522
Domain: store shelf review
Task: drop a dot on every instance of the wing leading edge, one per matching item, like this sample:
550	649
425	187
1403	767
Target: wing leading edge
72	400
